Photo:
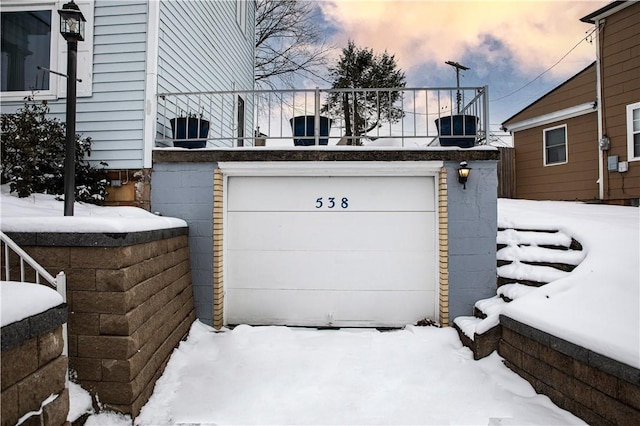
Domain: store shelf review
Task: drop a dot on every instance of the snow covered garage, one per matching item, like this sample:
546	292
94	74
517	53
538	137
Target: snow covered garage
343	238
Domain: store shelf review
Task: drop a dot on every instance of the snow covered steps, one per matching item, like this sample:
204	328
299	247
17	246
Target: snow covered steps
526	259
535	258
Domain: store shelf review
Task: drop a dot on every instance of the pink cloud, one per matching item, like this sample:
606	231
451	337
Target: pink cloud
532	34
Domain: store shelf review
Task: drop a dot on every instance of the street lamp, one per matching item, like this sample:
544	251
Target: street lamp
72	29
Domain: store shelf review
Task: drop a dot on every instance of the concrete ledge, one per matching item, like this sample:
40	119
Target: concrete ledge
21	331
331	154
48	239
588	357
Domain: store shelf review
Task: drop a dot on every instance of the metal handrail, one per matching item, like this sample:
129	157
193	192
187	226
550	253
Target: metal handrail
59	282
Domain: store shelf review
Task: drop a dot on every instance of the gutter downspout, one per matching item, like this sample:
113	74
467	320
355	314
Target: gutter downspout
151	87
600	111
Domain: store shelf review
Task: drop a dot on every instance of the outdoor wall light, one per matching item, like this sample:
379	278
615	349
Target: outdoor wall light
72	29
71	22
463	174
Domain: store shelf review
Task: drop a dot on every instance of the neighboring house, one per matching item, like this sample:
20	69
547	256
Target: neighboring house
581	141
133	50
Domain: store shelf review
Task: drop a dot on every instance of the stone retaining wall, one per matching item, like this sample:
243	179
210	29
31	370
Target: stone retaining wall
33	369
130	303
599	390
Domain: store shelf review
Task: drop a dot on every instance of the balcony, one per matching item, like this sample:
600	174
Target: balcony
420	117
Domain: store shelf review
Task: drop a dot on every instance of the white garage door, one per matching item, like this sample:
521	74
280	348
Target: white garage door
330	251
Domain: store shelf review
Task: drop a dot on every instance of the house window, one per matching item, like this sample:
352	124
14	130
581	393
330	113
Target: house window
241	15
30	39
555	145
26	45
241	121
633	131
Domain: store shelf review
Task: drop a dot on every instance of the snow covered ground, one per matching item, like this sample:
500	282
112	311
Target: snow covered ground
417	375
42	213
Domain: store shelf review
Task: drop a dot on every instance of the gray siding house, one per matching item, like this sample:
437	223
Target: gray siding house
133	51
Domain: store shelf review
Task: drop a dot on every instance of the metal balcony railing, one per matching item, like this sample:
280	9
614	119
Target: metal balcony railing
402	117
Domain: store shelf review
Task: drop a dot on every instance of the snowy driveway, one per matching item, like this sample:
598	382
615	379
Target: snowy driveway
279	375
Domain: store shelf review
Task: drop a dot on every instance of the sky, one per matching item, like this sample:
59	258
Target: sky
506	44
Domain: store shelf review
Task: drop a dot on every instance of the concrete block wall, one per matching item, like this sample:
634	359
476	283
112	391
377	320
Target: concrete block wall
599	390
185	190
130	303
472	228
33	369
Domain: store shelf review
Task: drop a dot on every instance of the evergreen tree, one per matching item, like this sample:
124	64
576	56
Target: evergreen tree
363	111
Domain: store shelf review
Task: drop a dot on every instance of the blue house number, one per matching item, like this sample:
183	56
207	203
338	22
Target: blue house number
332	203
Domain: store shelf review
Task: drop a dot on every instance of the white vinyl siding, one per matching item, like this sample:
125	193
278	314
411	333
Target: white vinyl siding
555	145
216	56
113	114
633	132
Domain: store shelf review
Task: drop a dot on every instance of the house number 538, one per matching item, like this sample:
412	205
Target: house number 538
331	203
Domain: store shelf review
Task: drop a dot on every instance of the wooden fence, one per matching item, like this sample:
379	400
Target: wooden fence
507	173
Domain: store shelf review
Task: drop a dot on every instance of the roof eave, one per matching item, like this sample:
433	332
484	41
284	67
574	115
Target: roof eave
605	11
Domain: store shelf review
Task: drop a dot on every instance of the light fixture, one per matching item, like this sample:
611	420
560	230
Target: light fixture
463	174
71	22
72	29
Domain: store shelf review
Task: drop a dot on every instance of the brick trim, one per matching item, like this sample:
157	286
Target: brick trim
218	249
443	248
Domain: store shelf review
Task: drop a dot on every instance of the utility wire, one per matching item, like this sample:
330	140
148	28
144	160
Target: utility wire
548	69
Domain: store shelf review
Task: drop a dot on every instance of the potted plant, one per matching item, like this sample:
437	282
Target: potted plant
303	127
190	131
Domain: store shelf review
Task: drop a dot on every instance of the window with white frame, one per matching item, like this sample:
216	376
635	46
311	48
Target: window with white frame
32	45
555	145
27	48
633	132
241	15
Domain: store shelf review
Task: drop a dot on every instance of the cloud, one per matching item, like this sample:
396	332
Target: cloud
530	36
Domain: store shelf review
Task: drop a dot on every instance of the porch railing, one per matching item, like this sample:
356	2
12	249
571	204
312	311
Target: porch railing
59	282
401	117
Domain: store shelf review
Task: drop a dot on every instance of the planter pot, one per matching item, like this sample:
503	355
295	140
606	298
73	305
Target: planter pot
457	130
303	130
191	128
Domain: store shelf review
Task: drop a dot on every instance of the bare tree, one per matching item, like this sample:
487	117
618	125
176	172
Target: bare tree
288	41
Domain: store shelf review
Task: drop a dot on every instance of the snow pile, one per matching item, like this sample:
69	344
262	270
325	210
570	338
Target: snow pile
279	375
79	402
43	213
22	300
596	306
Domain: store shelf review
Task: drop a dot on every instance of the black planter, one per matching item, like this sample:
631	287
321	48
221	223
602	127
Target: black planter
303	130
457	130
192	128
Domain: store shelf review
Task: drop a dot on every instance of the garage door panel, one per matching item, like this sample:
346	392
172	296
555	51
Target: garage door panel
321	250
341	231
365	193
331	270
335	308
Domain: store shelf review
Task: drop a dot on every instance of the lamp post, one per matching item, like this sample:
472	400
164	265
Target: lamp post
72	29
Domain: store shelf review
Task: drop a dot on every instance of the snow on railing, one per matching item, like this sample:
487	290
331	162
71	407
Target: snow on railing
59	282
